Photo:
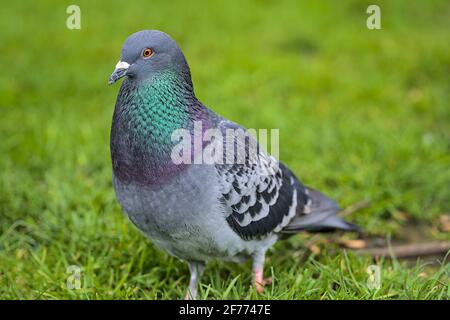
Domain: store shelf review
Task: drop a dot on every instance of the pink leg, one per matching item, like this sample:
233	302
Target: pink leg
258	273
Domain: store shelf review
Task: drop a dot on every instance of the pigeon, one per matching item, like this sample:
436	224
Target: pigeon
199	211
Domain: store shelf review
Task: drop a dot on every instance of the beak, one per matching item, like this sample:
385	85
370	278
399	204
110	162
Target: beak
119	72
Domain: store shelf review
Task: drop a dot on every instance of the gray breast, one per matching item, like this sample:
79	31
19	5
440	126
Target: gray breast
177	216
185	216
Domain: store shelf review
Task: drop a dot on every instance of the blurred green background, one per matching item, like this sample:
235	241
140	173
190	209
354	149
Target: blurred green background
363	115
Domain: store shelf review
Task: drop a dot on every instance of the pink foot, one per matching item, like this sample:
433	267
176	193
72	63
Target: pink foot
260	281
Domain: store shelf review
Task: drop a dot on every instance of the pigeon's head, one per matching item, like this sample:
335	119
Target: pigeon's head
148	53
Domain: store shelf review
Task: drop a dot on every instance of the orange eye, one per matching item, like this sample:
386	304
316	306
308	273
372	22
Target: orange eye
147	53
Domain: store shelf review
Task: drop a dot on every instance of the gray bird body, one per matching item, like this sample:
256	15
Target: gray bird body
198	212
174	217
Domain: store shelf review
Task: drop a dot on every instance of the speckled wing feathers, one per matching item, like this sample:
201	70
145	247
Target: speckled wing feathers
261	195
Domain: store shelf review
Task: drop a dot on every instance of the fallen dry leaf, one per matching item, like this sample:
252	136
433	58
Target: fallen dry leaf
314	249
445	222
423	275
354	244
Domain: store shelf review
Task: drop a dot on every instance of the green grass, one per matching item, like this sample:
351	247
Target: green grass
362	115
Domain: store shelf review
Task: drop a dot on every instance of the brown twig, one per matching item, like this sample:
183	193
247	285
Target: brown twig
408	250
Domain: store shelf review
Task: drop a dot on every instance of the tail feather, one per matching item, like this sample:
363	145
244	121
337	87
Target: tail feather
320	216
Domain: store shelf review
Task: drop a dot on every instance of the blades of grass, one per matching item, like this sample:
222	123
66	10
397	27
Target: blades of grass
230	287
